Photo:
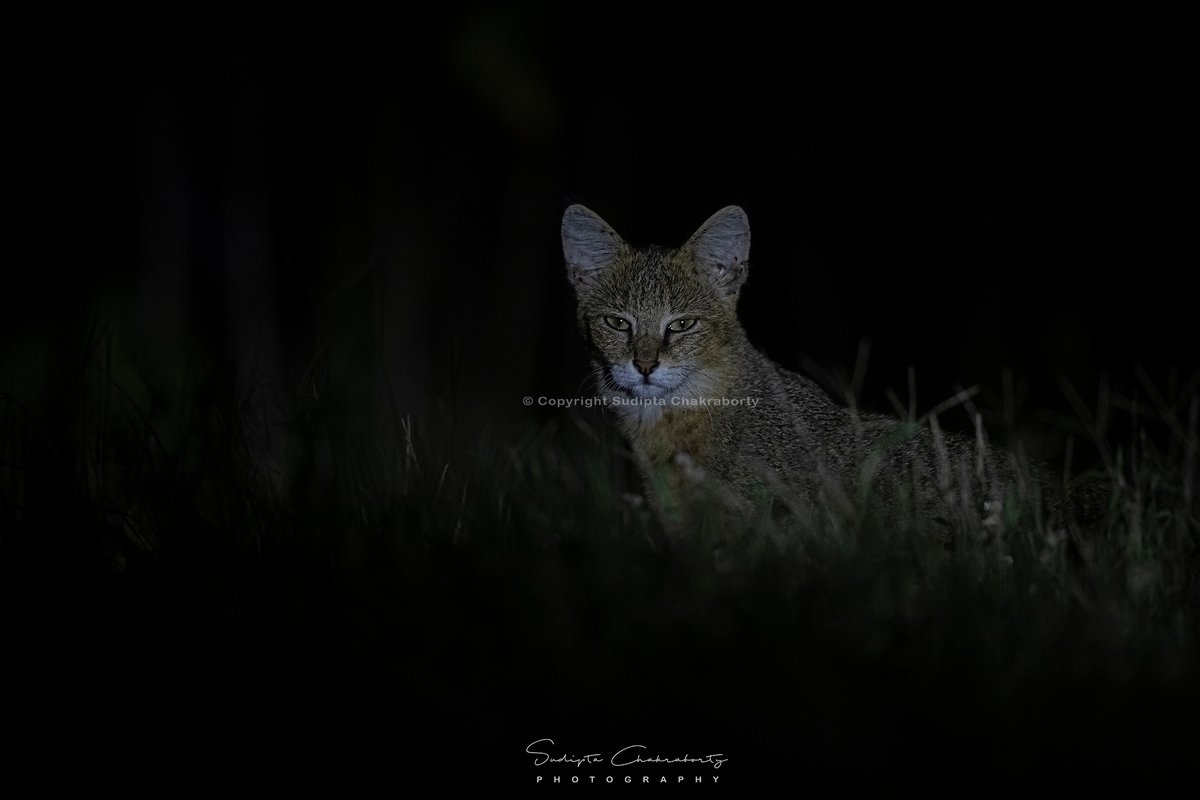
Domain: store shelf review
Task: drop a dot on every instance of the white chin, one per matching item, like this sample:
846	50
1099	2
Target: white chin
646	390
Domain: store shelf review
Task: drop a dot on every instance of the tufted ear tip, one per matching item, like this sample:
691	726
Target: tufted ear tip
731	217
577	214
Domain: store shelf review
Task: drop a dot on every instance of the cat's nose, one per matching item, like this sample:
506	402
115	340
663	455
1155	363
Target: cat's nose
645	366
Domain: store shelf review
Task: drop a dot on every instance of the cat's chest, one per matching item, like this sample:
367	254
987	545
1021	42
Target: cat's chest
677	432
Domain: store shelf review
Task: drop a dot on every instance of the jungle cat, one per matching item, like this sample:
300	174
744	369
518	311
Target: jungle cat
712	421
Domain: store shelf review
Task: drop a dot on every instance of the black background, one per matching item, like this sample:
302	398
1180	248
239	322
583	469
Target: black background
970	192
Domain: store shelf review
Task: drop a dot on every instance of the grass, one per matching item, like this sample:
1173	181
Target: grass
205	583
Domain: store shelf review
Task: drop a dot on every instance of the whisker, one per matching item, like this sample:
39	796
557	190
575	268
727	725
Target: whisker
598	374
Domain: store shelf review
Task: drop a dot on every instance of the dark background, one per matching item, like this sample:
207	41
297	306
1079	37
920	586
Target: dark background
369	205
970	194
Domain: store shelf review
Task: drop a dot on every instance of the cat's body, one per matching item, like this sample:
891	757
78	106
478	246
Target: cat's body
713	421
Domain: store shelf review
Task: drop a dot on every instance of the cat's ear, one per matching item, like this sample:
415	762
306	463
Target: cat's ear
722	248
589	245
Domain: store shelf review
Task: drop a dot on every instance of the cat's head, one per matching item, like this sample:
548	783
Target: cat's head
659	322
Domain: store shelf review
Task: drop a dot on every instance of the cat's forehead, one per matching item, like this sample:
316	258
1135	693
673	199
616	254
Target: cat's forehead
656	280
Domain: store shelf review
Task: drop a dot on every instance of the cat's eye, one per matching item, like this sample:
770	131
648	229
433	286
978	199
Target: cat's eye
681	325
616	323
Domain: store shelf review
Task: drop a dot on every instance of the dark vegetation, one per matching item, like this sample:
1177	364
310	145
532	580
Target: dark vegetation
395	600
